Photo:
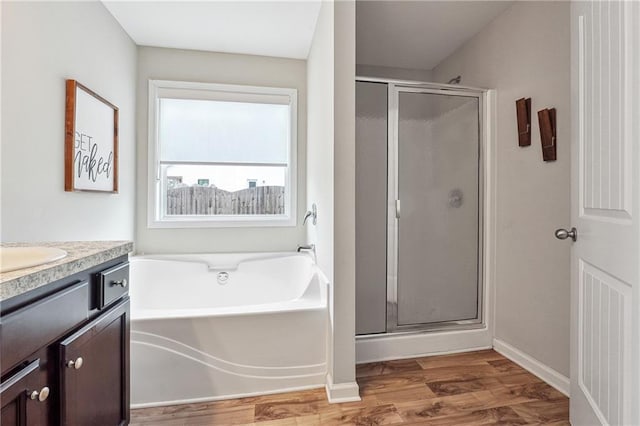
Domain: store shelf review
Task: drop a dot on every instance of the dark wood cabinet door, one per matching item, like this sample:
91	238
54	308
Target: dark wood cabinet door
94	374
25	397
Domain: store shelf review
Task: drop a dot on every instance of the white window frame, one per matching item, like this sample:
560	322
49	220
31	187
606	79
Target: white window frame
156	217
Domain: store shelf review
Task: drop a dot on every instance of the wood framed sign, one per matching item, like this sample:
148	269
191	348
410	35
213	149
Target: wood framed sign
91	141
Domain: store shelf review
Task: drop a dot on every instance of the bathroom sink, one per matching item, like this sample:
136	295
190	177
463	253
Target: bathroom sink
13	258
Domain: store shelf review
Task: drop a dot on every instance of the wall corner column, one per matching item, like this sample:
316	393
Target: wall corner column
341	383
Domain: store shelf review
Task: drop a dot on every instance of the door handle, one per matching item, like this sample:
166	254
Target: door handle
563	234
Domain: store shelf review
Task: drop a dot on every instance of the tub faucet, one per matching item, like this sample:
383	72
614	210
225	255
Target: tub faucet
310	248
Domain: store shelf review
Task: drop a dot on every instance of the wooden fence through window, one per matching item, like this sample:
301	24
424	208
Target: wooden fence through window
205	200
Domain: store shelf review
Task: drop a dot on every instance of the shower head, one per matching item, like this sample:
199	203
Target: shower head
455	80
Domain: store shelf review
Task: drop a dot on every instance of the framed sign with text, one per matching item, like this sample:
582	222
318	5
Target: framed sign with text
91	141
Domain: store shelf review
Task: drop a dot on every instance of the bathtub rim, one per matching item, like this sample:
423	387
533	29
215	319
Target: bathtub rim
303	303
242	257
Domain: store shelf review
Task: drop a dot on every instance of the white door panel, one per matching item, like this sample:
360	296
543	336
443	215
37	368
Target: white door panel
604	328
605	186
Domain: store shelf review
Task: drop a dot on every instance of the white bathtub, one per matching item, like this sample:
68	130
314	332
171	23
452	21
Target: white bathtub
197	337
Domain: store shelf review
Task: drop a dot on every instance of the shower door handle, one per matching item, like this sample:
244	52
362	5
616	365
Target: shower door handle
397	209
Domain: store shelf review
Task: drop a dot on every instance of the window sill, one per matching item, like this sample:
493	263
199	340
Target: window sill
219	222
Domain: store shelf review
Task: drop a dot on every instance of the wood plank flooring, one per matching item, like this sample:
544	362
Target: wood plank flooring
475	388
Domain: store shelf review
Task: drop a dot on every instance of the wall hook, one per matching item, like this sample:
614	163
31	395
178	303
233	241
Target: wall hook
523	114
547	122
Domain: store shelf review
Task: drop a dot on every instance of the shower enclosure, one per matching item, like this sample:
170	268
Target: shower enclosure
418	206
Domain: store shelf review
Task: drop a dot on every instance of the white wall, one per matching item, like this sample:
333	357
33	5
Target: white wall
525	52
320	151
42	45
208	67
331	178
320	138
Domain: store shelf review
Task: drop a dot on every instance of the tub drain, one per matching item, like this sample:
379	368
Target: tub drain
223	277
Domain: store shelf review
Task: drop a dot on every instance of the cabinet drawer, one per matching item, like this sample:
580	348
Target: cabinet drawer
28	329
113	283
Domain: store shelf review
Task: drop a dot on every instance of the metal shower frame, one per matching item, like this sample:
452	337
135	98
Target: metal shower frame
395	87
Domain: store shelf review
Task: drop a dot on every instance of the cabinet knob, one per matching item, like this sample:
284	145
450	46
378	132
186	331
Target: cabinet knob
40	396
122	283
75	364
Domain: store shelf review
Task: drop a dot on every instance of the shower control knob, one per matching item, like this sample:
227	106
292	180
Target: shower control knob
77	364
563	234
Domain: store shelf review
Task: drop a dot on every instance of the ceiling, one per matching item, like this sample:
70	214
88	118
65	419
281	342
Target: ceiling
401	34
418	34
269	28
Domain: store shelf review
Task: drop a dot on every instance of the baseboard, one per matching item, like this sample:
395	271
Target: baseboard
399	346
544	372
341	392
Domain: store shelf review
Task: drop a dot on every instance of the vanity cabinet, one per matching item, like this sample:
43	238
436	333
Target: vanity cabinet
24	396
64	351
95	372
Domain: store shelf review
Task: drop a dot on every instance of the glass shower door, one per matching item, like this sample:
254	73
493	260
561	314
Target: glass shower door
437	234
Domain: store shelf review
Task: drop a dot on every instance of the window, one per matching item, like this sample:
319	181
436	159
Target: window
221	155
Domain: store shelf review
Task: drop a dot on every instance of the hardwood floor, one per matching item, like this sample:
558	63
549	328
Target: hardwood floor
476	388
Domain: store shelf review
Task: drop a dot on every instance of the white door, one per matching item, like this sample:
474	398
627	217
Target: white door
605	325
